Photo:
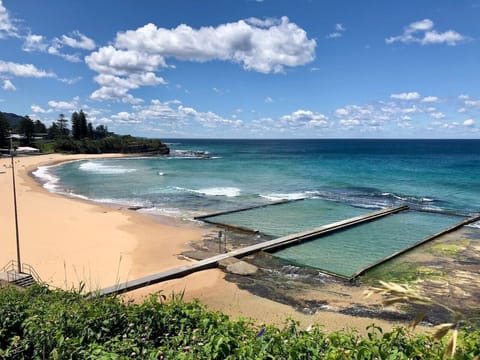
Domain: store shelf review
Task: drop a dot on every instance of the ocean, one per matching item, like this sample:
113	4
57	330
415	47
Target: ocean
203	176
338	179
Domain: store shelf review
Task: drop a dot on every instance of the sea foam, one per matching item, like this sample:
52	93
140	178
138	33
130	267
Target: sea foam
50	182
100	168
220	191
289	196
475	225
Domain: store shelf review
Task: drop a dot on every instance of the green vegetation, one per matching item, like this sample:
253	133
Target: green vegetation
401	271
450	249
43	324
81	138
4	128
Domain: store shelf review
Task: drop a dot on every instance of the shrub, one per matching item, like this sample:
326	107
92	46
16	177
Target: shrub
40	323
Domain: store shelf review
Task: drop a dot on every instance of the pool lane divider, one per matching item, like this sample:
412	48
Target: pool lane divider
204	218
268	245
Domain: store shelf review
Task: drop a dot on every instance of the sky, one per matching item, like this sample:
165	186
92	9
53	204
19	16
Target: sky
246	68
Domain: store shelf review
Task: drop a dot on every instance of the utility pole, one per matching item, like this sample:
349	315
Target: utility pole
19	264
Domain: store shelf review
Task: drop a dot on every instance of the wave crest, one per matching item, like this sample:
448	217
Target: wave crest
99	168
50	182
215	191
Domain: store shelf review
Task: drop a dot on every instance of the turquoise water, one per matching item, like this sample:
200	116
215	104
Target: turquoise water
205	176
353	249
290	218
339	179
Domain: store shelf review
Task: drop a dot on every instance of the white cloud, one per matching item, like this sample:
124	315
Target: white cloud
78	40
422	25
438	115
268	100
411	110
8	85
423	32
7	28
34	42
338	33
62	105
305	118
349	123
469	122
23	70
472	103
430	99
108	60
70	81
449	37
124	117
174	115
54	50
261	45
406	96
37	109
116	87
334	35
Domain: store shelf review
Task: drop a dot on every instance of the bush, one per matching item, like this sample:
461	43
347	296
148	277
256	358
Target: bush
39	323
111	144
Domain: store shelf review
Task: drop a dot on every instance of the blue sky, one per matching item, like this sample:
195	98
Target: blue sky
247	68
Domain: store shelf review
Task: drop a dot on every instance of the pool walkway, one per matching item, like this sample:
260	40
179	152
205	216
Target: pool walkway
269	245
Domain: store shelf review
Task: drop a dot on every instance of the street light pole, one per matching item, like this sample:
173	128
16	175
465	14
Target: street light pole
19	264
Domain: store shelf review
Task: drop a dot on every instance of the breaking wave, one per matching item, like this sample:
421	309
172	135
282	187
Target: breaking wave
99	168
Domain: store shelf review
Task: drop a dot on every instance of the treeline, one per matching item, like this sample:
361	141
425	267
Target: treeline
74	136
41	324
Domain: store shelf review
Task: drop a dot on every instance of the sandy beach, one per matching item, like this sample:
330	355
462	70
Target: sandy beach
70	241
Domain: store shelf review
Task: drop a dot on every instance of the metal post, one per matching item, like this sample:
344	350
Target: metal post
225	241
220	242
15	208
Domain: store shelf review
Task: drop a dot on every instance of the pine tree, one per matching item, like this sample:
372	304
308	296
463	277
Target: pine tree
83	124
91	132
76	132
62	125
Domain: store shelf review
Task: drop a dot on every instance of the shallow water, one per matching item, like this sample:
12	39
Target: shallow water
348	251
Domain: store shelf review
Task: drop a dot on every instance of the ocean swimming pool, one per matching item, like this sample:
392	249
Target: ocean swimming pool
349	250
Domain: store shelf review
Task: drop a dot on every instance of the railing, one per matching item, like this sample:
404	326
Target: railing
12	274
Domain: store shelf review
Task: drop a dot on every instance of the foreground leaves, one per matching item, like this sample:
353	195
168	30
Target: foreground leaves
394	293
43	324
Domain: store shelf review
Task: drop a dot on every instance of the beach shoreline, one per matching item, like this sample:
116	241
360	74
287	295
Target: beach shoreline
70	241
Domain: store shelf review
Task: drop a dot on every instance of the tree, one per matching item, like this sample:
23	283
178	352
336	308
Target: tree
82	117
79	125
53	131
76	126
27	129
91	132
101	132
39	127
4	132
62	125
